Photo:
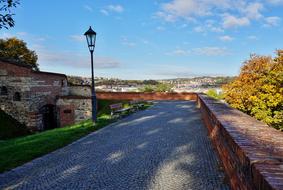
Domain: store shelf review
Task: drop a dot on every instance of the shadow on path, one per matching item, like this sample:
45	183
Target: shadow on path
164	147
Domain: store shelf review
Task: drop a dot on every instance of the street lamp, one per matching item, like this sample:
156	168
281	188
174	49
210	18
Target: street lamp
90	38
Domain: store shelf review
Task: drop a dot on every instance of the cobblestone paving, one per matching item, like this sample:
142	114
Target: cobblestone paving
164	147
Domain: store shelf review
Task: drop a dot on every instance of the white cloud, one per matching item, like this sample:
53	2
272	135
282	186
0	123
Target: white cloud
112	8
88	8
272	21
22	33
103	11
115	8
190	8
145	41
179	52
275	2
253	10
226	38
234	13
73	59
206	51
210	51
160	28
128	43
209	25
78	38
166	17
252	37
6	35
199	29
230	21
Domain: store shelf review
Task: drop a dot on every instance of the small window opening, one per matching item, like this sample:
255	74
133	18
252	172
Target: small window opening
62	82
17	96
4	90
67	111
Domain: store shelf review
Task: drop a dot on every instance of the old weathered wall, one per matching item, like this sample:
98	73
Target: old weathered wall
251	152
73	109
36	89
145	96
80	90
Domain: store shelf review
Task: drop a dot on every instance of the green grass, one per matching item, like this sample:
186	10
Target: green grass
17	151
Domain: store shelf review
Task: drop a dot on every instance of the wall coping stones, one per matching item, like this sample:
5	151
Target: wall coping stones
74	97
255	148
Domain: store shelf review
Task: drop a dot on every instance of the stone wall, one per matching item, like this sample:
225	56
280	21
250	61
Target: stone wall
73	109
80	90
35	90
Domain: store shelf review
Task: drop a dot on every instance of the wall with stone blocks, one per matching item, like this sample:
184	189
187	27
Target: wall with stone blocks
73	109
36	89
82	90
251	152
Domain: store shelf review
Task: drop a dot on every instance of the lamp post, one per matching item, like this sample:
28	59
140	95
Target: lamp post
90	38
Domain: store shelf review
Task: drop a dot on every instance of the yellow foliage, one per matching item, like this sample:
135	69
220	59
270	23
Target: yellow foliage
258	90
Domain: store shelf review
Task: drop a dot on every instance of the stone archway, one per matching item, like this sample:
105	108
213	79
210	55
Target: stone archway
49	120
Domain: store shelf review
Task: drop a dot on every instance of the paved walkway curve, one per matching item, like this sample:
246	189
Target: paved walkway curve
164	147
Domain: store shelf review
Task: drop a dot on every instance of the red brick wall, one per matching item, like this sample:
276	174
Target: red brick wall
251	152
51	84
15	70
66	118
145	96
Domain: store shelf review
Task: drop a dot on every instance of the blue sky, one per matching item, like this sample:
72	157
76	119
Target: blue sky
149	39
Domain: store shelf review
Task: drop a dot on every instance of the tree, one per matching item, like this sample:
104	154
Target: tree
162	87
258	90
6	17
147	88
16	50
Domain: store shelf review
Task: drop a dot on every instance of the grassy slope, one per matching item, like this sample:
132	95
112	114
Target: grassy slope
9	127
17	151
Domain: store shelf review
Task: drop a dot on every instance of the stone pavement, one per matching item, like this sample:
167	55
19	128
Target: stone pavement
164	147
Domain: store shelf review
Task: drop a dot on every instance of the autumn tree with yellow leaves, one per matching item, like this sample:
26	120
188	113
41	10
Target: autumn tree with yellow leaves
16	50
258	90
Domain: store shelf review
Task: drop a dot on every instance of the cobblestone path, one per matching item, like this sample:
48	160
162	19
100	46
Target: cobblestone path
164	147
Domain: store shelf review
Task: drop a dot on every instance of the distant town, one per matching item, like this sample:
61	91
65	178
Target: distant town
196	84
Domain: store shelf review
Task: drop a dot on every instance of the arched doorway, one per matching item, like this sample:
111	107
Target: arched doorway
48	116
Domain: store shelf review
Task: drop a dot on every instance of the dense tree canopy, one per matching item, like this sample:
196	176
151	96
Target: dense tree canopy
6	17
16	50
258	90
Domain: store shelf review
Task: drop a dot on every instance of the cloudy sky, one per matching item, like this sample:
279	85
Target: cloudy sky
149	39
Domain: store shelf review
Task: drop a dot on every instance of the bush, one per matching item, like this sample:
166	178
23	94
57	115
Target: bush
212	93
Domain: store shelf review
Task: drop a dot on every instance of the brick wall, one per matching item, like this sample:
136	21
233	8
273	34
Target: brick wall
251	152
80	108
145	96
66	114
